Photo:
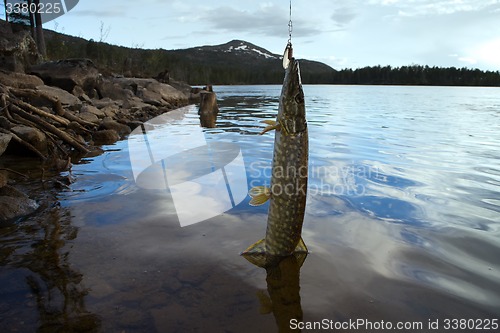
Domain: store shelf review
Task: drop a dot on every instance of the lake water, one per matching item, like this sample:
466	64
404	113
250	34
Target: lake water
402	222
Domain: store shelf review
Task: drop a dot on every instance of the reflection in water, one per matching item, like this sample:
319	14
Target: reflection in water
283	286
34	260
417	238
208	120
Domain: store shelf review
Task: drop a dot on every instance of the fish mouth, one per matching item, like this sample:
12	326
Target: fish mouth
293	81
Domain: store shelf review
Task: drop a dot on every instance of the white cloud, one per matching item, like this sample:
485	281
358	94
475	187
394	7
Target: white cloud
489	53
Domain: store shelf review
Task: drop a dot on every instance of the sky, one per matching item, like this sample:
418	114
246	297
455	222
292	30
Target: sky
340	33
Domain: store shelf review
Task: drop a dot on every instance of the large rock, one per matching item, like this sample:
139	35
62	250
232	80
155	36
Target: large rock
105	137
69	73
67	100
14	204
92	109
150	91
17	48
4	142
33	136
19	80
110	124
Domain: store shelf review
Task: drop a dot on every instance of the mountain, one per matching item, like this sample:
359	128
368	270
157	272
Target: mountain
236	62
241	62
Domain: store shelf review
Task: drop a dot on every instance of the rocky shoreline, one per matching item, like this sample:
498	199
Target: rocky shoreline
63	111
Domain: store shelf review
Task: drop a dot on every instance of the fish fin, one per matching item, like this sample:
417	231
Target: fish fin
300	252
301	247
258	190
273	125
259	194
256	248
256	253
266	305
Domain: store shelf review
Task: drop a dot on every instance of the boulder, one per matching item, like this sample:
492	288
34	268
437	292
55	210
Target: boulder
115	89
18	50
19	80
67	100
93	110
110	111
110	124
90	117
105	137
105	102
80	93
33	136
149	91
4	142
14	204
66	74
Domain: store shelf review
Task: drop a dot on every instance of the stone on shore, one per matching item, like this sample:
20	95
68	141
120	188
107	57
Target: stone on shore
19	80
110	124
4	142
147	91
69	73
14	204
67	100
33	136
105	137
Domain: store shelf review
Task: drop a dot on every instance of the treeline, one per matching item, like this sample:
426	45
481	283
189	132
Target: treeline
200	67
417	75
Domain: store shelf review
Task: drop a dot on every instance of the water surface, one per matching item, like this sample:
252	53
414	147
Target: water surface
402	221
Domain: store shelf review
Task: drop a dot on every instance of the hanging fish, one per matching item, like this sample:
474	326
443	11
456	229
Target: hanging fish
288	190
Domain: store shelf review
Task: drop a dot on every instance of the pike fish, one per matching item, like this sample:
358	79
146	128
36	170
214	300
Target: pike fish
288	190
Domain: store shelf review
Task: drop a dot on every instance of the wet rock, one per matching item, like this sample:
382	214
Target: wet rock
133	124
18	50
4	142
105	137
19	80
208	109
14	204
33	136
66	74
121	129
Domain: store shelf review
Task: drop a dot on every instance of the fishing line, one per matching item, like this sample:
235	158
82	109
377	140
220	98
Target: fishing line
290	25
288	54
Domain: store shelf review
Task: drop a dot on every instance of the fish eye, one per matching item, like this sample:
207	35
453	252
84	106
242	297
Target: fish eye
299	98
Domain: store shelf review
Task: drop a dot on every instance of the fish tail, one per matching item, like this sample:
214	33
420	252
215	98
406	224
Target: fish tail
258	255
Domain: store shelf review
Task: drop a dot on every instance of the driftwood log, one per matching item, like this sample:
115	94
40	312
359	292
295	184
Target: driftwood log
14	107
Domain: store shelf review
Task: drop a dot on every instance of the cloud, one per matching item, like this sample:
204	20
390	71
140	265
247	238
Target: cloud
268	20
114	12
410	8
343	16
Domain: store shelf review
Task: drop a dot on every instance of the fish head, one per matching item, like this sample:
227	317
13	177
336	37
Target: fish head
292	112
